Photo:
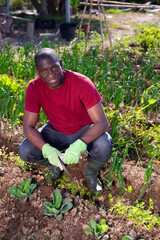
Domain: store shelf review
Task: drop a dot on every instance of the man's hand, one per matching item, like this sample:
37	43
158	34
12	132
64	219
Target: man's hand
52	154
72	154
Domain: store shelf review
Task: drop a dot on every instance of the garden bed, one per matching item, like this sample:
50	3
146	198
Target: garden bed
26	221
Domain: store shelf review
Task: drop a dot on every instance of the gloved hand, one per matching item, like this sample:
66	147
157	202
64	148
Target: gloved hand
72	154
52	154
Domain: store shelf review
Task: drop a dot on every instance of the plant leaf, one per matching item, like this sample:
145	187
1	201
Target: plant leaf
51	208
104	228
92	224
127	238
59	217
102	222
57	199
47	212
152	101
89	230
66	207
48	205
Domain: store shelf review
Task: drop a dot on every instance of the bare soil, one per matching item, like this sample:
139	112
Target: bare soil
25	221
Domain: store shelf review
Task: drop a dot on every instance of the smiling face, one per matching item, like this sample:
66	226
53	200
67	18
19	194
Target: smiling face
49	69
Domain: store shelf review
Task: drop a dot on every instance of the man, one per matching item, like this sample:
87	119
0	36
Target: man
76	120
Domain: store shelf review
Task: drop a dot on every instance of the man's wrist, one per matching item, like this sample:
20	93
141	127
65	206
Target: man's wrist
83	141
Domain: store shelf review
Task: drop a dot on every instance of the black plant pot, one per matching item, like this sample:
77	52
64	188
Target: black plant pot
41	23
67	31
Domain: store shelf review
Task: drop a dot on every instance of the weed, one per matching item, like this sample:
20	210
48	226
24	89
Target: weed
136	213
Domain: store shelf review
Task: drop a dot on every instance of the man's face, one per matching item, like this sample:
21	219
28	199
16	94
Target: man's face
50	71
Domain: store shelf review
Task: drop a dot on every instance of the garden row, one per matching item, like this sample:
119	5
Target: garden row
127	78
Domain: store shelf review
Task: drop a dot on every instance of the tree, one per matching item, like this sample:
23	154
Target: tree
49	6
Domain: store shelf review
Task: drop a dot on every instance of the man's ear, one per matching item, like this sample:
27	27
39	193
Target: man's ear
60	61
36	71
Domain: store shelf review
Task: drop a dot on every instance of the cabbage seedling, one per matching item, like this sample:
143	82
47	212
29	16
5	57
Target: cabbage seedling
128	238
97	229
57	207
23	191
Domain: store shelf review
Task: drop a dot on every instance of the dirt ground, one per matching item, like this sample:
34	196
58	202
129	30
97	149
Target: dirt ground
25	221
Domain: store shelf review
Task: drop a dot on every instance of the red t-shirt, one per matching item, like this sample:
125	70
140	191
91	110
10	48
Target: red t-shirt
65	107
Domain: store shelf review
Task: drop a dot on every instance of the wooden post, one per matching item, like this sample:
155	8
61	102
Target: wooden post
30	29
109	36
89	23
101	28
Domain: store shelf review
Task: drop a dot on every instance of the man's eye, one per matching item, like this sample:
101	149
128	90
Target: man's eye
54	69
43	71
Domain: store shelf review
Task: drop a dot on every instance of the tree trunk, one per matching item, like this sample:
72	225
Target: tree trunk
46	6
44	10
52	6
36	5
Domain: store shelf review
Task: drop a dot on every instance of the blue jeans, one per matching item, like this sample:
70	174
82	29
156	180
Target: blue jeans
100	149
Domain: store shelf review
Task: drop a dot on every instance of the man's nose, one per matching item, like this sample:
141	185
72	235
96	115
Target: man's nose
51	72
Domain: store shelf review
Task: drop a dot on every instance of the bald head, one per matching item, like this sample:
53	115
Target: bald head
45	53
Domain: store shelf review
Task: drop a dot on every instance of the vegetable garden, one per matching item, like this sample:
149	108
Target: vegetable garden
128	81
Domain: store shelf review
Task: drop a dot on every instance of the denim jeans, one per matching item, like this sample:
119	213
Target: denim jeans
100	149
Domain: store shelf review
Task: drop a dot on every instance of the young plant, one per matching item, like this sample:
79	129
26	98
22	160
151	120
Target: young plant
57	207
23	191
97	229
135	213
128	238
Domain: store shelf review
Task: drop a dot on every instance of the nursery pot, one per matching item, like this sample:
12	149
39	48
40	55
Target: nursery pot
67	30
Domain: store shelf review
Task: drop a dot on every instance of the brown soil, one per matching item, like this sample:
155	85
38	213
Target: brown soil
25	221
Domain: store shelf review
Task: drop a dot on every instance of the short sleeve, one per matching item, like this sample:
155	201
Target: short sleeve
32	103
89	94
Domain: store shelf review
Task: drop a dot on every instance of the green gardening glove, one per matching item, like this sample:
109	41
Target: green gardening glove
52	154
72	154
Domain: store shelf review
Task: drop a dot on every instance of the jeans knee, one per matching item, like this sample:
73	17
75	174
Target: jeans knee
29	152
102	148
23	151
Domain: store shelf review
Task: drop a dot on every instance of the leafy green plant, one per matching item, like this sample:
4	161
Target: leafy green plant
151	96
57	207
97	229
129	238
76	188
136	213
23	191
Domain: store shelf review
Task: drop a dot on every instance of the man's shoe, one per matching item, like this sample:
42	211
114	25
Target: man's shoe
91	173
53	174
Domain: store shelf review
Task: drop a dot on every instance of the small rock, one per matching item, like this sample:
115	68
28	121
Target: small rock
85	226
16	171
57	233
35	204
79	214
133	234
32	220
2	171
73	212
97	217
36	228
24	230
105	237
86	209
103	213
76	220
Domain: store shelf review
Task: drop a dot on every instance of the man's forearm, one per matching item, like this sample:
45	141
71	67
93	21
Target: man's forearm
95	131
34	137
